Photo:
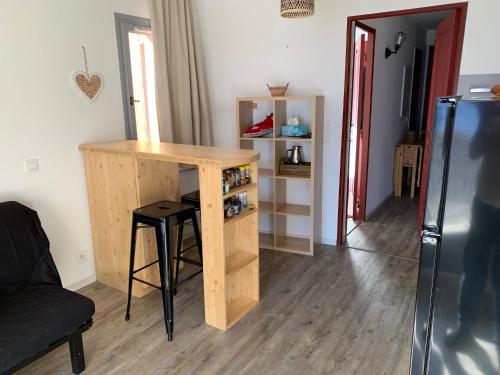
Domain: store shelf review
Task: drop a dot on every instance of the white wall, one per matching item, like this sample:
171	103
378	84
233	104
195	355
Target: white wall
44	117
430	38
247	43
387	128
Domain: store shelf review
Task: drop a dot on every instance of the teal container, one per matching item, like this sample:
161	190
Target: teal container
294	130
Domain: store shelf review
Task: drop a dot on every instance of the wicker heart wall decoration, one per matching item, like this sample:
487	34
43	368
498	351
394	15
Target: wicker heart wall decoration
89	83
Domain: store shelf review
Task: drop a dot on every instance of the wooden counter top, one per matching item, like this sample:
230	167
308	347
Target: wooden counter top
178	153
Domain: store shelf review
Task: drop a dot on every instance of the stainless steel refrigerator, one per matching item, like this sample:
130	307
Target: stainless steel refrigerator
457	314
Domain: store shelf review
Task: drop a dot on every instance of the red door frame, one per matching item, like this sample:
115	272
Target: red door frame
363	124
461	9
357	84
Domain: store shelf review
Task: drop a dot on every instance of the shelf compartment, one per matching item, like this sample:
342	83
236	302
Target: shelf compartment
287	176
293	244
237	308
266	240
257	138
244	213
293	209
266	172
238	261
266	207
298	139
240	189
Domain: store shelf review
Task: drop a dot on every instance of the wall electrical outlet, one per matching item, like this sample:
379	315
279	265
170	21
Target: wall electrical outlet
82	257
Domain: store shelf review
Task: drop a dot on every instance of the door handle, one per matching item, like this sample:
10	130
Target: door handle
430	237
132	100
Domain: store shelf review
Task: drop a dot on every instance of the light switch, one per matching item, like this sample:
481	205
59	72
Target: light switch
30	165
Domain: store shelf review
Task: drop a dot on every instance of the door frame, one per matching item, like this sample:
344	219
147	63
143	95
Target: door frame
123	24
461	9
361	174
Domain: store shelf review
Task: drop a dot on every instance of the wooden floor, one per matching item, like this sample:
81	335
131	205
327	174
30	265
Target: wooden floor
342	311
392	230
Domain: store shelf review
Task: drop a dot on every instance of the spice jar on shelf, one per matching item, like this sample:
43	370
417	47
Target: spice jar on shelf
243	178
235	177
244	199
225	184
247	173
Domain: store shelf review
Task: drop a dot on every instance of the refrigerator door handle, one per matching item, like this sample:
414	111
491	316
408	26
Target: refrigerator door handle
431	235
431	240
430	228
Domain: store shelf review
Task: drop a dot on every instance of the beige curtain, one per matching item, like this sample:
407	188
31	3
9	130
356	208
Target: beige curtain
181	92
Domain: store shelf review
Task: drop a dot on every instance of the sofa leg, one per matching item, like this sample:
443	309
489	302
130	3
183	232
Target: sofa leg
76	352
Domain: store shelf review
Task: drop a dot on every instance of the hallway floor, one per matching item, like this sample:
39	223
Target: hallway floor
391	230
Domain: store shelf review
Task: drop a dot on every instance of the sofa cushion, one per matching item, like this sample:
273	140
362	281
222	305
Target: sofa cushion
35	317
25	258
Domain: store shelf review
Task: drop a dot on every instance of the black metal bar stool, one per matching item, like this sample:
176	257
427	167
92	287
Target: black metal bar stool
159	216
192	199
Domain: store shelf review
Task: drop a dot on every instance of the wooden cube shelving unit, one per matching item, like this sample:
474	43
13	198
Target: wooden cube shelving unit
280	207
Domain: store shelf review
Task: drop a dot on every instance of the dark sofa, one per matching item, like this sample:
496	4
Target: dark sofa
36	313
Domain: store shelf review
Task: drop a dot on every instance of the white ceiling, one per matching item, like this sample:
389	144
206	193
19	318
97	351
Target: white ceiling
429	21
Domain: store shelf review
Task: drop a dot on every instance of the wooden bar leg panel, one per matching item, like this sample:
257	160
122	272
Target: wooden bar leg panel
254	167
212	226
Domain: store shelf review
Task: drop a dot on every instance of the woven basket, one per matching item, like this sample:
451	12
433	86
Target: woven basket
303	169
297	8
278	90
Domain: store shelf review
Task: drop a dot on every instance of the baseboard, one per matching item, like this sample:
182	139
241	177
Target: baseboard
80	284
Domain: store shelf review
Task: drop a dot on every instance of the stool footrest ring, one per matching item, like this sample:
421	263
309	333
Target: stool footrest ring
190	261
146	282
144	267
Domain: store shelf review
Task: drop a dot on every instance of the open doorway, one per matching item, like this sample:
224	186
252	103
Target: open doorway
136	57
359	140
416	58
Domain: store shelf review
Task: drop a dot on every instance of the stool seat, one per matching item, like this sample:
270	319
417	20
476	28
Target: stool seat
192	198
162	210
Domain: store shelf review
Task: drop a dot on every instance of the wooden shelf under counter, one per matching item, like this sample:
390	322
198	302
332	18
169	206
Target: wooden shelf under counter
237	308
240	189
244	213
239	260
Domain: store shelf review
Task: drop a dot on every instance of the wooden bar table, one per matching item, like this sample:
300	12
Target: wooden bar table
125	175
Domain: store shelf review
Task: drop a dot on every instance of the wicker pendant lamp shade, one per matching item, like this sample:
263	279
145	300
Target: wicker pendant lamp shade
297	8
